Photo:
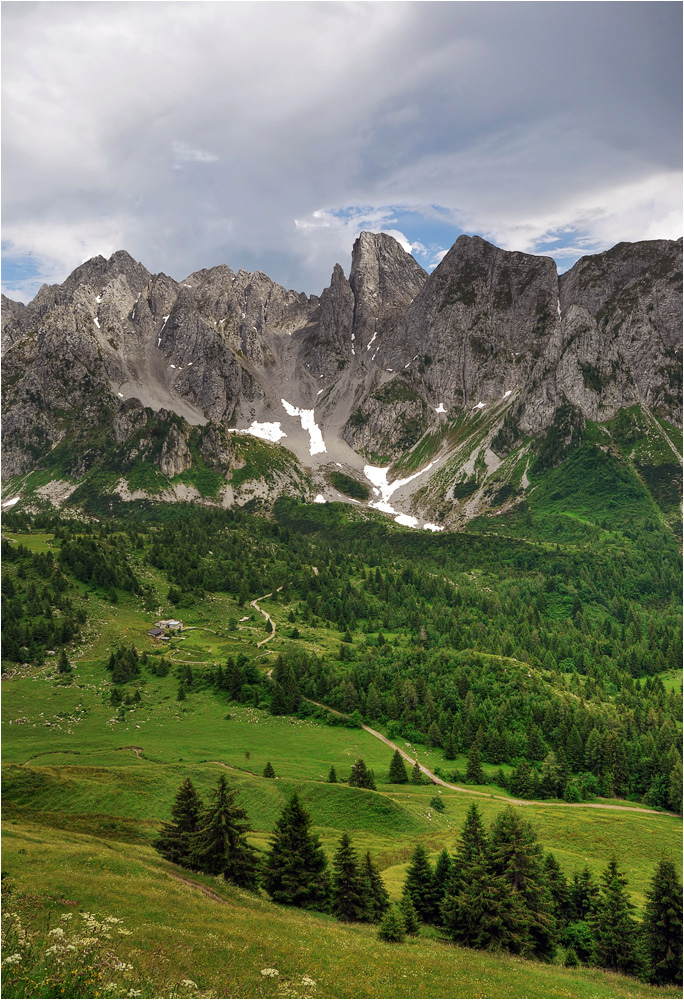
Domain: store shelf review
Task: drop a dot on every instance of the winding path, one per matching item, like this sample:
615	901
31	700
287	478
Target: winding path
266	616
490	795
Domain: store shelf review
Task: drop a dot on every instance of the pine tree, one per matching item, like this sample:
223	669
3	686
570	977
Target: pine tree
474	772
663	925
615	929
450	747
332	776
420	885
63	665
392	927
584	895
441	879
219	846
397	770
361	777
409	914
268	770
297	868
490	912
558	887
517	856
473	843
374	889
416	774
175	839
349	902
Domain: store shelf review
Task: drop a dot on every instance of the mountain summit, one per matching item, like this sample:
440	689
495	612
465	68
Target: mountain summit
448	374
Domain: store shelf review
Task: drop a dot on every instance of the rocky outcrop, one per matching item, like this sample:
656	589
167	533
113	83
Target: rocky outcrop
377	361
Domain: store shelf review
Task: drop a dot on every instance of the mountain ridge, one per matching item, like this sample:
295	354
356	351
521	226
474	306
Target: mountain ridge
389	367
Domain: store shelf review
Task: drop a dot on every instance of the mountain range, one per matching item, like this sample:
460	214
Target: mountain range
431	397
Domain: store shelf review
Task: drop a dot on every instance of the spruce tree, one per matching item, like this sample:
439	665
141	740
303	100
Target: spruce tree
374	889
332	776
490	912
175	839
416	774
584	895
297	868
558	887
63	666
349	902
663	925
268	770
450	747
392	927
219	846
473	843
615	929
517	856
409	914
361	777
474	772
397	770
441	879
420	885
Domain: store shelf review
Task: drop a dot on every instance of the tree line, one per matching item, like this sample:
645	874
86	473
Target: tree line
498	891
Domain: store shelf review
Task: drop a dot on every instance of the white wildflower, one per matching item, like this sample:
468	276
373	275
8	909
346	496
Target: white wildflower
57	932
189	984
123	967
270	972
308	981
66	916
12	959
134	993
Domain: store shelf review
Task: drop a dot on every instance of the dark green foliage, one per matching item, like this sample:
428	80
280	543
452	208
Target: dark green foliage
392	927
563	434
349	486
219	846
409	914
416	775
516	855
474	772
63	665
615	929
332	776
175	839
268	770
361	776
442	877
578	936
558	887
571	959
375	893
420	885
297	869
663	925
397	770
437	804
349	901
124	664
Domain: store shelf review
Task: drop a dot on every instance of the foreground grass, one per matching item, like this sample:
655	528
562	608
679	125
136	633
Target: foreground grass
178	933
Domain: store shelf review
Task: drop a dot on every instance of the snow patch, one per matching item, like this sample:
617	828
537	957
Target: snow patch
158	341
98	299
371	340
507	393
320	391
96	322
186	286
306	417
173	366
320	498
433	527
164	324
558	308
440	409
120	394
266	431
406	520
11	503
479	406
190	364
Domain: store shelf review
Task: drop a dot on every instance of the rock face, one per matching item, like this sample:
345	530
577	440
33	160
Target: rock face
375	363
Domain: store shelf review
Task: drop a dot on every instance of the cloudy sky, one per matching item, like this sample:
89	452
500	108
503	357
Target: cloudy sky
268	135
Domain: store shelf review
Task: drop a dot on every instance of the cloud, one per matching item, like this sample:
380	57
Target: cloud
185	153
250	134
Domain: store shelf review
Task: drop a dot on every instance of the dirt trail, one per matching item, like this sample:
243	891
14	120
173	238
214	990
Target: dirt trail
490	795
266	616
201	888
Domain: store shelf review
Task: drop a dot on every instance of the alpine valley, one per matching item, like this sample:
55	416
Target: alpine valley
264	734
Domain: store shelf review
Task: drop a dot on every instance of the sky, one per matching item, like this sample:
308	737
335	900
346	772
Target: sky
267	135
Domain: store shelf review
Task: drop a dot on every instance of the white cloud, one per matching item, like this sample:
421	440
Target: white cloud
185	153
401	239
382	105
